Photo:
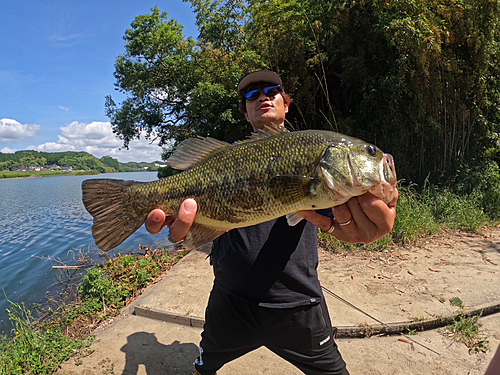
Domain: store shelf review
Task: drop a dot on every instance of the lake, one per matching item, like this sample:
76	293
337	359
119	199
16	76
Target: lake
45	218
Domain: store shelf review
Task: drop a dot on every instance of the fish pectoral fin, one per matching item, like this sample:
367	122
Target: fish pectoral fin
293	219
291	189
200	235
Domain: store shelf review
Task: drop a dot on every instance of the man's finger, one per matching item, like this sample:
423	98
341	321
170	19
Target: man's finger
342	213
184	221
322	222
155	221
347	219
375	209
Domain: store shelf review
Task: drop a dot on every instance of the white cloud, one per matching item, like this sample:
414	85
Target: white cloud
93	134
98	139
7	150
63	108
12	130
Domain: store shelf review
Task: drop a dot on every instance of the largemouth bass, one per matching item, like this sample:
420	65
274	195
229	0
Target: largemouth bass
271	174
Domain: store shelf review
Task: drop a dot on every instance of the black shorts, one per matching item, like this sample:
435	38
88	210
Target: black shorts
302	335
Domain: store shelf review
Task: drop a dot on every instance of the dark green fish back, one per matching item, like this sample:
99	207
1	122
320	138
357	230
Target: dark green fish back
241	183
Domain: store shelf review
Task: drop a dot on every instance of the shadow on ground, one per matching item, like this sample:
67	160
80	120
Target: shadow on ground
143	349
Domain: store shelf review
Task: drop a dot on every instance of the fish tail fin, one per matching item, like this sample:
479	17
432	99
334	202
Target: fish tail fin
115	218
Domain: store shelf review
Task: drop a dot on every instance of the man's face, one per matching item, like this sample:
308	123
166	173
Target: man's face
265	110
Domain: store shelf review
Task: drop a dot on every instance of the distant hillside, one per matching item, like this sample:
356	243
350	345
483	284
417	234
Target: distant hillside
22	160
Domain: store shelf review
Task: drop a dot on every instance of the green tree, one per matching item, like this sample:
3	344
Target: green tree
7	165
157	76
27	161
111	162
289	37
91	162
41	161
409	76
177	88
419	79
68	161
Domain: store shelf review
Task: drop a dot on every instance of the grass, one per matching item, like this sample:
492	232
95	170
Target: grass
39	346
455	301
466	329
33	349
116	282
424	213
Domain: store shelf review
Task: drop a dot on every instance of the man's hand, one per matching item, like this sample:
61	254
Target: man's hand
179	224
365	219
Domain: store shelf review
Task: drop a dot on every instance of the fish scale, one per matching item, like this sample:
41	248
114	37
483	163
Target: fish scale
271	174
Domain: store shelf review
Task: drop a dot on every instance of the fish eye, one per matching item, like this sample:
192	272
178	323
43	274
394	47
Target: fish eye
372	151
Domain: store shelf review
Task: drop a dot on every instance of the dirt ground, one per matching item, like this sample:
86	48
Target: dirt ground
416	284
403	284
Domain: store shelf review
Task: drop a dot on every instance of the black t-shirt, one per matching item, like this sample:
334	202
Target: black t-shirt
270	264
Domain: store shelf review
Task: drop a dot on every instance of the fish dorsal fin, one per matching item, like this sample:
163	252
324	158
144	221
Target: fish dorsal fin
268	131
191	151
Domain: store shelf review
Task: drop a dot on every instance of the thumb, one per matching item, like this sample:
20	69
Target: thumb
185	218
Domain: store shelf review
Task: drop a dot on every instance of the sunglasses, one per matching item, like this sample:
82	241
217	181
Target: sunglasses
268	91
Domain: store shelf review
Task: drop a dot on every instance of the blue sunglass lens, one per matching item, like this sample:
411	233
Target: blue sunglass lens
271	91
268	91
252	94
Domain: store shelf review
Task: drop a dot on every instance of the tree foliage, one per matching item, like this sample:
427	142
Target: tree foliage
418	78
77	160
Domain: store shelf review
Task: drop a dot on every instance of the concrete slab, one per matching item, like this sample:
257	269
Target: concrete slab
402	284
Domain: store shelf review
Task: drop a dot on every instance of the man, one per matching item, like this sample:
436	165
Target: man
494	366
266	290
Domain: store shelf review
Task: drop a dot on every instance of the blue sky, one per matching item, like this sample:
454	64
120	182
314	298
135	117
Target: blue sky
56	66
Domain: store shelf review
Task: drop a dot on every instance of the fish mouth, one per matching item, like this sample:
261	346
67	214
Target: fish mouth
383	187
389	170
386	190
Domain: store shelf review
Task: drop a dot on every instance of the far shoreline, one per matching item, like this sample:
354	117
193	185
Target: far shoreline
37	175
74	173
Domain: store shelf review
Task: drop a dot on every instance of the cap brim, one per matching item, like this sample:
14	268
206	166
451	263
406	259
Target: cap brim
259	76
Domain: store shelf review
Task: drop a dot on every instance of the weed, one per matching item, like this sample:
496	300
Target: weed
108	286
466	329
33	350
414	218
455	301
455	211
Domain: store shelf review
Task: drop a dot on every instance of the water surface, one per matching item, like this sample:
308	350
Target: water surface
45	218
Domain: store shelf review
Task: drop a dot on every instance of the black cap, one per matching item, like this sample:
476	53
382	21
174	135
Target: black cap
259	76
